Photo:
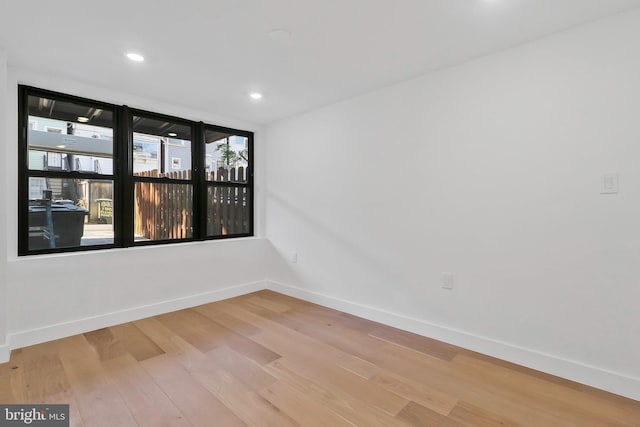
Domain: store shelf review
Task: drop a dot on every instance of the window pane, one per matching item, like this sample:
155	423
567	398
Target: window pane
163	211
227	156
66	136
228	210
70	212
161	148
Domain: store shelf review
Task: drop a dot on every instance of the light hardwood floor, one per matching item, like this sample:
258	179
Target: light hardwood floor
265	359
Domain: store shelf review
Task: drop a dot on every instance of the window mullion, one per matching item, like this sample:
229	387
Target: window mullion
200	187
125	145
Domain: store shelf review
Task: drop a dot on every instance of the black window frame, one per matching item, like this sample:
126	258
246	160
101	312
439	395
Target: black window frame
123	177
163	180
230	184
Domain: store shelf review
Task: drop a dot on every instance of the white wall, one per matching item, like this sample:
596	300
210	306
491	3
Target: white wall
3	224
51	296
489	170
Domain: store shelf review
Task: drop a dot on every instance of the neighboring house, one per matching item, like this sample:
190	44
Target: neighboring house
58	145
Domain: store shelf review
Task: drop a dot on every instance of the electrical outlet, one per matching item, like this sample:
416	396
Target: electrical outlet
447	281
294	257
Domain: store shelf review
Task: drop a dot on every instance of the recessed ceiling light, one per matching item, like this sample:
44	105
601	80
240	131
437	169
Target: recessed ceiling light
135	57
61	146
172	134
256	95
83	119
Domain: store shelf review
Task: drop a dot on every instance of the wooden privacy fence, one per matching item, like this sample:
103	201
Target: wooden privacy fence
233	175
165	210
228	208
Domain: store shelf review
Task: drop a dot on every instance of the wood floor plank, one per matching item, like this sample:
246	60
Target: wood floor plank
442	376
415	342
417	392
265	359
193	327
136	343
44	377
417	415
75	419
429	397
13	388
250	348
245	402
98	401
199	405
527	371
148	404
234	307
344	404
235	324
247	370
294	330
212	309
281	298
269	304
311	365
210	334
411	364
355	365
105	344
550	396
399	360
307	336
302	408
170	342
473	416
307	355
46	380
257	309
322	313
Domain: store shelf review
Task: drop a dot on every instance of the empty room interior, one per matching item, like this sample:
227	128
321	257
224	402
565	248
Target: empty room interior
320	213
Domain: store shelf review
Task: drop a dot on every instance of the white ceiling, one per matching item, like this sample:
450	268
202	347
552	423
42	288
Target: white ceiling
209	54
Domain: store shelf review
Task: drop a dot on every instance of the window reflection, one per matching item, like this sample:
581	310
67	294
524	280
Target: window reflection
64	136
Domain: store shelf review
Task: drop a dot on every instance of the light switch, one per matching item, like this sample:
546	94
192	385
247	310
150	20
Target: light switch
447	280
609	183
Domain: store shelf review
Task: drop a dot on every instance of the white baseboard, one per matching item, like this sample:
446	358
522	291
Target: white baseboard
5	353
61	330
590	375
596	377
